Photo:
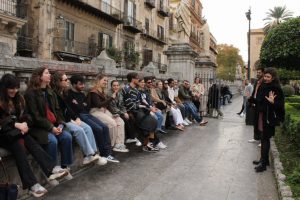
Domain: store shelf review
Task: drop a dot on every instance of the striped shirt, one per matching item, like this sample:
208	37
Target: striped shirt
131	98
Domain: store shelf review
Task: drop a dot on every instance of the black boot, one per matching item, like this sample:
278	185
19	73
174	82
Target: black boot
260	168
257	162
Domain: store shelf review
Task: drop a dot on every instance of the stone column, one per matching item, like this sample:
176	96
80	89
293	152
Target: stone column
182	61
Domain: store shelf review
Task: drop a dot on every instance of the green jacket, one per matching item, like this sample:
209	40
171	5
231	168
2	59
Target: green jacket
184	94
36	106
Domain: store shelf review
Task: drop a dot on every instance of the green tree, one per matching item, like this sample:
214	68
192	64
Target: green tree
228	59
281	46
276	16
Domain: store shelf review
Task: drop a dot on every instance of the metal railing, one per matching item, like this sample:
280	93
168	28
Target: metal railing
150	3
163	10
154	34
131	21
110	10
70	46
13	8
26	46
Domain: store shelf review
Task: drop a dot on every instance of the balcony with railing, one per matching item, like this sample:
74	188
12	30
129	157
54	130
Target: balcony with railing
71	50
13	8
132	24
26	46
152	34
150	3
105	10
163	10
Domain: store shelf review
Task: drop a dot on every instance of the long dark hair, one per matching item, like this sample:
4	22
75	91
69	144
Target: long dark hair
273	72
9	81
56	79
35	80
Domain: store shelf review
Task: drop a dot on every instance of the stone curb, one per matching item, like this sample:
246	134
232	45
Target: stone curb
284	190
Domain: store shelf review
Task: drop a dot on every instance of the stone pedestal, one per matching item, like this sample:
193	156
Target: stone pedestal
182	61
205	67
106	63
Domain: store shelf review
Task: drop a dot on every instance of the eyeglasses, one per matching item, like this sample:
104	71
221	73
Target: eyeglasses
149	82
65	80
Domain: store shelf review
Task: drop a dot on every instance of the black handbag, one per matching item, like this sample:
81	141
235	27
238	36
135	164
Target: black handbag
8	191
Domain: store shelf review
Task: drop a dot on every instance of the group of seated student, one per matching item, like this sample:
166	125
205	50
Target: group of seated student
52	113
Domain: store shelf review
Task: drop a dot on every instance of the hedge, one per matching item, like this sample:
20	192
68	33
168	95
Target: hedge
291	125
292	99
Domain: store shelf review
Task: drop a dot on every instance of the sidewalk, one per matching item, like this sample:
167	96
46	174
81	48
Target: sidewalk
204	163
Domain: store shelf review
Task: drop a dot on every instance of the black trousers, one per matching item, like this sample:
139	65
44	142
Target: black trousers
130	127
19	152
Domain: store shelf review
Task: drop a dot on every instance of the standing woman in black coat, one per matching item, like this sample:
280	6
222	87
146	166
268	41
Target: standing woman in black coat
270	107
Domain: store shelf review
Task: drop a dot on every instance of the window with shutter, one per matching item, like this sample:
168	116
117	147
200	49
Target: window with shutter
147	56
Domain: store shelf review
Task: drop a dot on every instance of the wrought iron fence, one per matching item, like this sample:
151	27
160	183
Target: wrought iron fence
110	10
131	21
70	46
13	8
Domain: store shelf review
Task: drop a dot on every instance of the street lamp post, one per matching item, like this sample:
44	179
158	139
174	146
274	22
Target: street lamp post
248	15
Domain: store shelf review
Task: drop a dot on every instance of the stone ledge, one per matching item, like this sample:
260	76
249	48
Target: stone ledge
285	192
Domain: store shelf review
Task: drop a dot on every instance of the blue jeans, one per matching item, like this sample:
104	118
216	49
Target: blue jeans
64	140
101	133
159	117
84	137
191	109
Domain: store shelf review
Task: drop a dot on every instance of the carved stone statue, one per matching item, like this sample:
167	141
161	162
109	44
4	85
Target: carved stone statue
182	15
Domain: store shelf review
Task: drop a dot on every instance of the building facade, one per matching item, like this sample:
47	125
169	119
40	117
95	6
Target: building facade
256	39
12	19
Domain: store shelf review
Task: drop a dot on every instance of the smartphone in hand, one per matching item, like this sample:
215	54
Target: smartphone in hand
61	126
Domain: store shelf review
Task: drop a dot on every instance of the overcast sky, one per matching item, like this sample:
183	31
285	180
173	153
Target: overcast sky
228	22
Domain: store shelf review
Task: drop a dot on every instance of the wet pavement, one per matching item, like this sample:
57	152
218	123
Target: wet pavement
203	163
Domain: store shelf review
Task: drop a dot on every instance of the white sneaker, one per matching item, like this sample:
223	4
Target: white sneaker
101	160
188	121
259	145
57	169
69	175
131	140
161	145
253	141
185	123
57	173
138	143
37	190
89	159
110	158
53	182
242	115
120	148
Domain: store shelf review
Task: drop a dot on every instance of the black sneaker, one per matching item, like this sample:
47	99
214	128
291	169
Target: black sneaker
150	148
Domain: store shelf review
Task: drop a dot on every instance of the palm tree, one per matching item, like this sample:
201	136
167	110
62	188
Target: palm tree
276	16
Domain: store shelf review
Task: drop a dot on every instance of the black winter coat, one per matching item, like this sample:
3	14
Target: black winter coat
273	114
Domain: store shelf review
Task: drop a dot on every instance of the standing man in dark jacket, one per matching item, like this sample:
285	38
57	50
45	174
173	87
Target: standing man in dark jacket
252	102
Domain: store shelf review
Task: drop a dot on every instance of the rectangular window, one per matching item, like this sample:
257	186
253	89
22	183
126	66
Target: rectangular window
105	6
160	32
69	32
104	41
147	56
147	25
